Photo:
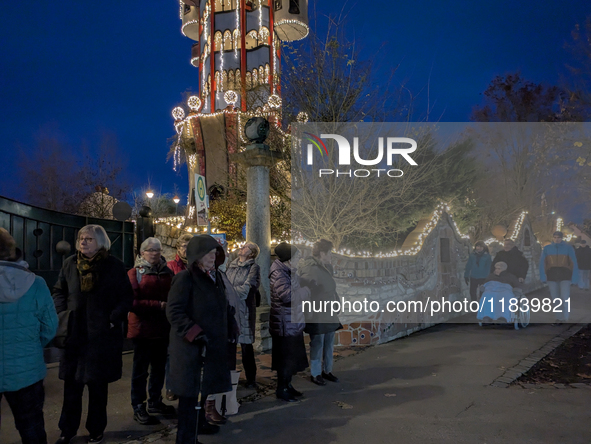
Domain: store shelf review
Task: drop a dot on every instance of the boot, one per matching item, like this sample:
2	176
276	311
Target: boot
285	395
211	414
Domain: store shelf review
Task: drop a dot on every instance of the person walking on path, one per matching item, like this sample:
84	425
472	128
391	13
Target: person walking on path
245	276
149	329
286	320
477	268
94	286
316	274
583	254
517	264
558	267
28	322
197	310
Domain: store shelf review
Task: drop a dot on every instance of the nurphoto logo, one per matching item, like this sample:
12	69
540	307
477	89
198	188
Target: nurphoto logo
393	148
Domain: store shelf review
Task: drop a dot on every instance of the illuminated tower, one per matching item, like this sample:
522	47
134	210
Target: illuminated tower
237	52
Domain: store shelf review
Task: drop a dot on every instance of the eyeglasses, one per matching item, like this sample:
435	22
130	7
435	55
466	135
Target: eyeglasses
86	239
152	251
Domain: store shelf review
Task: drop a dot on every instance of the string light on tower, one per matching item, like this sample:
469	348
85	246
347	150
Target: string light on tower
194	103
178	113
274	101
231	97
303	117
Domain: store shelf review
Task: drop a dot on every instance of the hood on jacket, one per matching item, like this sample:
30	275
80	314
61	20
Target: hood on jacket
278	265
202	244
15	280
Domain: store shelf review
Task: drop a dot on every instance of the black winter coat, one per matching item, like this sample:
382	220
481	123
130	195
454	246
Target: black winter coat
93	349
583	257
517	264
197	304
286	294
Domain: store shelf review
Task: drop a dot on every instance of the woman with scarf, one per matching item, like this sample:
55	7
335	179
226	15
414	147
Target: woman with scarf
197	310
477	268
94	287
149	329
245	276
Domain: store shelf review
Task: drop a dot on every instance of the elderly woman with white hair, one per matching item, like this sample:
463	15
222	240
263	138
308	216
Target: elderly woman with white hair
94	288
149	329
503	276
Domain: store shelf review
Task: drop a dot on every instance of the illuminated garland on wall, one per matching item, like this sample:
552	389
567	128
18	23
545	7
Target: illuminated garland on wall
441	208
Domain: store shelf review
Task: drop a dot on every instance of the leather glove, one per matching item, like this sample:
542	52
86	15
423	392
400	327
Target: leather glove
201	340
467	280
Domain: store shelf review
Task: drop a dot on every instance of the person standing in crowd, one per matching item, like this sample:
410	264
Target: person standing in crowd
286	320
28	322
180	260
177	265
197	310
245	276
316	274
149	329
95	287
517	264
477	268
583	254
558	267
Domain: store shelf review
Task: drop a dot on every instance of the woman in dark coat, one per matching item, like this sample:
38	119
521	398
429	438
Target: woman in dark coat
197	310
94	286
245	276
149	329
286	321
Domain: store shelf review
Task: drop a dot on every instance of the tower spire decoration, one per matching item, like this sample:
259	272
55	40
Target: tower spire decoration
237	53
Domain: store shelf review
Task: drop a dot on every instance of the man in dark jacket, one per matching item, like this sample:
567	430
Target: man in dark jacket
316	274
583	254
517	264
197	310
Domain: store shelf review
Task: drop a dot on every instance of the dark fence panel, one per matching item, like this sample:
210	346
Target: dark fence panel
37	232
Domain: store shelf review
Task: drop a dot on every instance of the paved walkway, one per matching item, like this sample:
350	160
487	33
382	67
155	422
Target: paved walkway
445	384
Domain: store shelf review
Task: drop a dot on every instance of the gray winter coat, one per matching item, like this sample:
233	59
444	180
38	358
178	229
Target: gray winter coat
245	277
318	278
197	304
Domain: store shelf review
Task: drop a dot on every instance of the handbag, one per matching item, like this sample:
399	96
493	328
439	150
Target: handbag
63	328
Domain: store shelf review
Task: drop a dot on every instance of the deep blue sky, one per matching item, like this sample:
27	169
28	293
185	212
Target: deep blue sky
74	70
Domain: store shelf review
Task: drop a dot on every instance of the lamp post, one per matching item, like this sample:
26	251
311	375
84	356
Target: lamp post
176	201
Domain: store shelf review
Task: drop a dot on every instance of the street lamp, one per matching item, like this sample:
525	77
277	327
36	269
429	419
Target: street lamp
176	200
149	194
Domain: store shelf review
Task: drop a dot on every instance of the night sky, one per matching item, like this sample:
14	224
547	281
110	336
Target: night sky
76	70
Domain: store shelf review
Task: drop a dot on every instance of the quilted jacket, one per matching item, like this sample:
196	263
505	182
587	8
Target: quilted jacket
28	322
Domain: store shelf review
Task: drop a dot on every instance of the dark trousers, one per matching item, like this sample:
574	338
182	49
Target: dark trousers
187	415
474	283
148	354
27	408
96	421
248	362
283	379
